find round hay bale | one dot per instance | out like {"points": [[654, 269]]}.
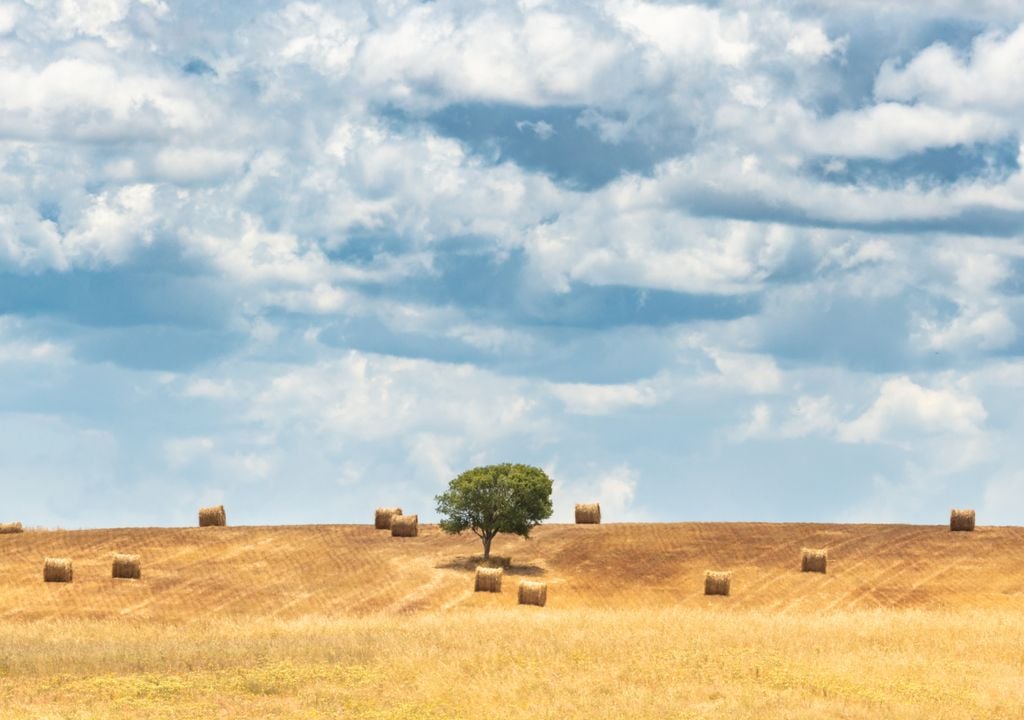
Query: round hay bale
{"points": [[404, 525], [533, 593], [57, 570], [717, 583], [128, 567], [382, 518], [213, 516], [588, 513], [814, 560], [488, 579], [10, 528], [961, 520]]}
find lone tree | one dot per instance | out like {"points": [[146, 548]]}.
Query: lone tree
{"points": [[496, 499]]}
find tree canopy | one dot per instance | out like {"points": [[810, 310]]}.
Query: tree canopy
{"points": [[506, 498]]}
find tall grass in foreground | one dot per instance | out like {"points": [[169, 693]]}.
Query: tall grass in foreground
{"points": [[526, 663]]}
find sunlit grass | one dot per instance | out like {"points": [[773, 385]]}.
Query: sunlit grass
{"points": [[523, 663]]}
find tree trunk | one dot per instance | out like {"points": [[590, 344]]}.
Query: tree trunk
{"points": [[487, 546]]}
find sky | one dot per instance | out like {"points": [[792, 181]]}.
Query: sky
{"points": [[746, 260]]}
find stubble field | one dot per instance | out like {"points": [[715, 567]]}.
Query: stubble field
{"points": [[345, 621]]}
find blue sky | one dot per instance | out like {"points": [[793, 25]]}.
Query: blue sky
{"points": [[719, 261]]}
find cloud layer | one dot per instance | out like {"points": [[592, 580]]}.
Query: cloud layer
{"points": [[740, 261]]}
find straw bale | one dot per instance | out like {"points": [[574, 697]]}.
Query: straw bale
{"points": [[10, 528], [128, 567], [533, 593], [488, 579], [212, 516], [588, 513], [405, 525], [962, 520], [814, 560], [57, 570], [382, 518], [717, 583]]}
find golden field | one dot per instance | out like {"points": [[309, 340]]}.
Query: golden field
{"points": [[345, 621]]}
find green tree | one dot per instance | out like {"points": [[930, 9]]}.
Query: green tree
{"points": [[496, 499]]}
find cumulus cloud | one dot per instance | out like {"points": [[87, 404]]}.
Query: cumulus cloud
{"points": [[589, 399], [114, 225], [804, 228], [369, 397], [905, 409], [941, 75], [61, 100]]}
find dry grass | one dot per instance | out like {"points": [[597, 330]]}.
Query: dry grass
{"points": [[814, 560], [294, 571], [213, 516], [717, 583], [961, 520], [294, 622], [405, 525], [57, 570], [382, 517], [533, 593], [10, 528], [588, 513], [128, 567], [589, 663], [488, 579]]}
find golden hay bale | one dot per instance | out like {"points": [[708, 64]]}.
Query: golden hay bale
{"points": [[533, 593], [382, 518], [961, 520], [404, 525], [212, 516], [717, 583], [814, 560], [488, 579], [588, 513], [10, 528], [128, 567], [57, 570]]}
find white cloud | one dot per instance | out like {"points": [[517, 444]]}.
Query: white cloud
{"points": [[62, 100], [252, 254], [759, 425], [756, 374], [543, 130], [687, 32], [939, 75], [983, 315], [496, 53], [810, 41], [372, 397], [208, 388], [905, 409], [972, 329], [588, 399], [891, 130], [16, 347], [196, 164], [9, 13], [28, 241], [113, 227], [806, 416]]}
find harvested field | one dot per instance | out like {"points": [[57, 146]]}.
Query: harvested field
{"points": [[293, 571], [303, 621]]}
